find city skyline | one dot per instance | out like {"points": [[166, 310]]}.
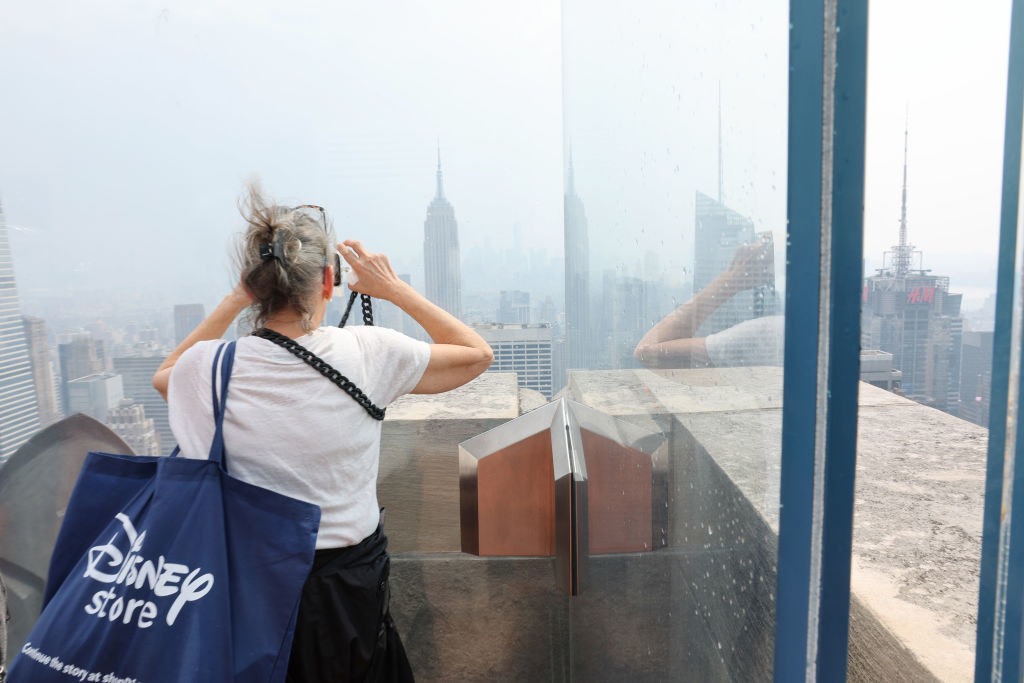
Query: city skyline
{"points": [[640, 175], [505, 132]]}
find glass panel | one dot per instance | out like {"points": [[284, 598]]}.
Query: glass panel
{"points": [[431, 132], [933, 168], [675, 220]]}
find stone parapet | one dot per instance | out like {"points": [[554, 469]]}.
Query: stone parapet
{"points": [[702, 608]]}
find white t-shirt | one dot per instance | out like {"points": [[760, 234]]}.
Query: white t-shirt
{"points": [[290, 429], [758, 341]]}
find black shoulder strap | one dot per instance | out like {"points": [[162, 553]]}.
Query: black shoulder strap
{"points": [[366, 305], [323, 367]]}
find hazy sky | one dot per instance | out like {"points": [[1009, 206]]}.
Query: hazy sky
{"points": [[129, 128]]}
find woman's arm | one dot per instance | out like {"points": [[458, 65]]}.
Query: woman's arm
{"points": [[671, 342], [457, 355], [213, 327]]}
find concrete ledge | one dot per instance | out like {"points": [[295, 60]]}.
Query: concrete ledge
{"points": [[919, 498], [703, 608]]}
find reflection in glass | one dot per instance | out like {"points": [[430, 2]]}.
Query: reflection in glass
{"points": [[741, 335]]}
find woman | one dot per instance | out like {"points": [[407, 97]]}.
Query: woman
{"points": [[289, 429]]}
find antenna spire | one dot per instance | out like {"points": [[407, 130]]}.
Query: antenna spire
{"points": [[903, 250], [440, 185], [571, 185]]}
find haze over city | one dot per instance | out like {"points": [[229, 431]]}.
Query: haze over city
{"points": [[136, 124]]}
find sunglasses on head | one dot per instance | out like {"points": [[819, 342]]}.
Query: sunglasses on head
{"points": [[323, 223]]}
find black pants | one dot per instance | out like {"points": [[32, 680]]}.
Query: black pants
{"points": [[344, 630]]}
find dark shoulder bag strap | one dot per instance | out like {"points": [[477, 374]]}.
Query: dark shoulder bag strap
{"points": [[324, 368], [366, 305]]}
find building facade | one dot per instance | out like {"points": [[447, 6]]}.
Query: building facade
{"points": [[95, 395], [625, 318], [523, 349], [19, 412], [137, 372], [441, 259], [80, 356], [976, 377], [186, 318], [43, 376], [876, 369], [718, 233], [514, 307], [913, 316], [128, 420]]}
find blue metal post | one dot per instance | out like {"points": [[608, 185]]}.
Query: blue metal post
{"points": [[844, 336], [827, 91], [800, 380], [987, 608]]}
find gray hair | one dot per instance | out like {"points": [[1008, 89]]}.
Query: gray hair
{"points": [[290, 279]]}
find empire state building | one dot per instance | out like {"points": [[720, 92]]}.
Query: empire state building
{"points": [[441, 252], [577, 279]]}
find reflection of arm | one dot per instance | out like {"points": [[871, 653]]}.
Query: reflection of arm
{"points": [[684, 322], [671, 342], [674, 353]]}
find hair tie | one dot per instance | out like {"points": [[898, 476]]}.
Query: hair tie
{"points": [[276, 250]]}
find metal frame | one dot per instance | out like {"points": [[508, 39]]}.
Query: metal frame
{"points": [[998, 643], [827, 91]]}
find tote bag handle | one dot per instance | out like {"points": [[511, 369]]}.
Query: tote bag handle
{"points": [[226, 357]]}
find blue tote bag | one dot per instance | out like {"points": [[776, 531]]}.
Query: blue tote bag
{"points": [[170, 570]]}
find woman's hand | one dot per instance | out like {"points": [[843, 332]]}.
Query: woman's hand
{"points": [[753, 265], [458, 353], [374, 273], [241, 295]]}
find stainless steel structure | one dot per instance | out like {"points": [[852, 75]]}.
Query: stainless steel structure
{"points": [[563, 480]]}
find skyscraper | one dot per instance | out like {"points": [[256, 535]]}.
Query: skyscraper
{"points": [[441, 252], [625, 318], [137, 372], [718, 232], [186, 318], [578, 331], [976, 377], [129, 421], [95, 395], [79, 357], [514, 307], [19, 413], [523, 349], [42, 370], [911, 313]]}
